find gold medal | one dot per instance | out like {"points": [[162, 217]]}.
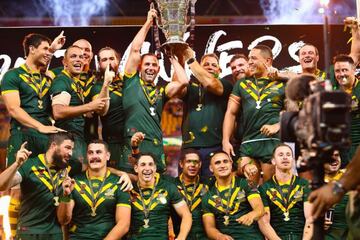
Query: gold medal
{"points": [[40, 104], [286, 216], [93, 212], [226, 220], [56, 201], [146, 223]]}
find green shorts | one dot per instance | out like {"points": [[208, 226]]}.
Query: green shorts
{"points": [[259, 150], [58, 236], [116, 154], [37, 143], [291, 236], [146, 146]]}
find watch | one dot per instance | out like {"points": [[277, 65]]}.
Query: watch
{"points": [[338, 188], [190, 60]]}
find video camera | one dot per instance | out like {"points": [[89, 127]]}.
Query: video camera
{"points": [[323, 122]]}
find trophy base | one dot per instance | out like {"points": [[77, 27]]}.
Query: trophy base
{"points": [[173, 46]]}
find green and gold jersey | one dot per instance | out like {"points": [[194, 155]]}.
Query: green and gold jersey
{"points": [[158, 201], [64, 83], [229, 204], [38, 189], [203, 115], [113, 121], [285, 202], [33, 89], [339, 216], [143, 107], [355, 113], [192, 193], [261, 102], [108, 195]]}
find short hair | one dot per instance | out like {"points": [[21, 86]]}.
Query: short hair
{"points": [[99, 141], [33, 39], [59, 137], [72, 46], [187, 151], [142, 154], [264, 50], [147, 54], [343, 58], [213, 55], [117, 55], [238, 56], [281, 145], [308, 44], [212, 154]]}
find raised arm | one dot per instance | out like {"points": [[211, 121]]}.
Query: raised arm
{"points": [[207, 80], [104, 92], [353, 23], [9, 178], [177, 87], [134, 56], [66, 206]]}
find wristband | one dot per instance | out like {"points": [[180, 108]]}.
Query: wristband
{"points": [[190, 61], [338, 188], [64, 199]]}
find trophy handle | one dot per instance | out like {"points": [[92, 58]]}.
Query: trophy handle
{"points": [[152, 6], [192, 5]]}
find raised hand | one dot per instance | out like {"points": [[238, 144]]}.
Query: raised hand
{"points": [[22, 155], [108, 76], [137, 138], [68, 186], [58, 42]]}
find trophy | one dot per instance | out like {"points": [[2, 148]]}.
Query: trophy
{"points": [[173, 21]]}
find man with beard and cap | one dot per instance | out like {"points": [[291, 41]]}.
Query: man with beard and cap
{"points": [[143, 101], [25, 94], [335, 219], [259, 100], [344, 68], [205, 102], [151, 201], [40, 179], [231, 207], [112, 116], [68, 105], [93, 202], [287, 211]]}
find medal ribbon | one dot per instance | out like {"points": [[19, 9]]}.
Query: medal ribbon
{"points": [[190, 198], [35, 82], [95, 201], [152, 95]]}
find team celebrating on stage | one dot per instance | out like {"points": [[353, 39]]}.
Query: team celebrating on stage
{"points": [[237, 180]]}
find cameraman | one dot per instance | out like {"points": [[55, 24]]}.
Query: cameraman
{"points": [[333, 192]]}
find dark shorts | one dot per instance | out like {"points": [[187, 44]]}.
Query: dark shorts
{"points": [[79, 151], [21, 236], [37, 143], [259, 150]]}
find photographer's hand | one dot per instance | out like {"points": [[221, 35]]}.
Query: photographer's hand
{"points": [[322, 199]]}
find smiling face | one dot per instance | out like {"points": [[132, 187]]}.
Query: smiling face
{"points": [[87, 51], [334, 165], [211, 65], [283, 158], [73, 61], [258, 63], [221, 165], [344, 74], [97, 156], [309, 58], [191, 165], [146, 169], [239, 68], [149, 68], [62, 153], [41, 54]]}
